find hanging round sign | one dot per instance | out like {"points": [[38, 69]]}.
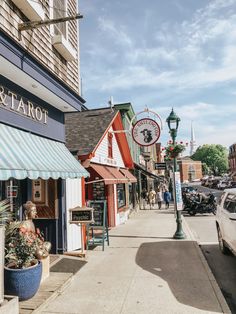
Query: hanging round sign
{"points": [[146, 132]]}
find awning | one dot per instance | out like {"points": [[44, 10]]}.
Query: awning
{"points": [[24, 155], [128, 175], [110, 175], [118, 175], [103, 172]]}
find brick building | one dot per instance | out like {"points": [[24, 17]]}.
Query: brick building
{"points": [[189, 169]]}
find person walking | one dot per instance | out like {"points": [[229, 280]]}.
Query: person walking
{"points": [[144, 196], [167, 198], [159, 198], [152, 198]]}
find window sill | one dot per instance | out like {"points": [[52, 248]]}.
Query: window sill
{"points": [[64, 47], [123, 209], [32, 9]]}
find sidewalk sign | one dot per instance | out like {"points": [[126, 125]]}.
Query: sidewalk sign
{"points": [[97, 231]]}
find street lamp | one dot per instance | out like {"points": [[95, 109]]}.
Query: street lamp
{"points": [[173, 124]]}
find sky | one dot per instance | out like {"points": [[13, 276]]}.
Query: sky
{"points": [[163, 54]]}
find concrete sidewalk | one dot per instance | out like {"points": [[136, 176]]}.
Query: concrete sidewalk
{"points": [[143, 271]]}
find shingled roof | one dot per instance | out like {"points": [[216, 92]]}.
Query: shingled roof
{"points": [[85, 129]]}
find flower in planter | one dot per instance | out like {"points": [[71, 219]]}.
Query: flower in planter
{"points": [[25, 245], [22, 246]]}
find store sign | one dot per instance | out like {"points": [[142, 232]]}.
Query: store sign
{"points": [[14, 102], [160, 166], [80, 215], [146, 132]]}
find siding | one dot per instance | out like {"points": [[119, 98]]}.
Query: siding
{"points": [[102, 153], [38, 41]]}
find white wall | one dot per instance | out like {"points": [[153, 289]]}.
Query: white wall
{"points": [[73, 199], [101, 154]]}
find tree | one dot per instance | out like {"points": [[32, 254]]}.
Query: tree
{"points": [[214, 156]]}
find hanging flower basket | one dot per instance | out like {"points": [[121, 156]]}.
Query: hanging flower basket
{"points": [[173, 150]]}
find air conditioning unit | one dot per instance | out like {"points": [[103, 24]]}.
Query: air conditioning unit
{"points": [[64, 47]]}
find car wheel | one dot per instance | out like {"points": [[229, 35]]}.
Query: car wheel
{"points": [[222, 246], [192, 213]]}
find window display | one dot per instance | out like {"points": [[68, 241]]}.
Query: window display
{"points": [[38, 191]]}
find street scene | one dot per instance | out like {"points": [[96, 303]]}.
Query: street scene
{"points": [[117, 157]]}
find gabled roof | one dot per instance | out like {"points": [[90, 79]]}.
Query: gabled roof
{"points": [[85, 131]]}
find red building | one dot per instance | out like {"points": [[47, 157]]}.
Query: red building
{"points": [[96, 138]]}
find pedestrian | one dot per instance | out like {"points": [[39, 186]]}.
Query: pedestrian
{"points": [[144, 197], [167, 198], [159, 198], [152, 198]]}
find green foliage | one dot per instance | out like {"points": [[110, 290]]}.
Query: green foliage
{"points": [[5, 212], [215, 158]]}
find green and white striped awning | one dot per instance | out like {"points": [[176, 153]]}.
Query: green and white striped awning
{"points": [[24, 155]]}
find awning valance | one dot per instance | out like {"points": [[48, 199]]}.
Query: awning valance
{"points": [[128, 175], [110, 175], [103, 172], [24, 155]]}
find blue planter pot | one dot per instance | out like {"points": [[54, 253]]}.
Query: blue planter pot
{"points": [[23, 283]]}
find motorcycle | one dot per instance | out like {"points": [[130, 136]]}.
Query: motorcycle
{"points": [[200, 203]]}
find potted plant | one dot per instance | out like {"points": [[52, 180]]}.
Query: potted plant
{"points": [[24, 249], [5, 217], [23, 268]]}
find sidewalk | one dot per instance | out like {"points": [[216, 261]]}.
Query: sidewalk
{"points": [[143, 271]]}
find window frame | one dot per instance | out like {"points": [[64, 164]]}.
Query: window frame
{"points": [[121, 187], [110, 145]]}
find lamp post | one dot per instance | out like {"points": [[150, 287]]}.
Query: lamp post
{"points": [[173, 124]]}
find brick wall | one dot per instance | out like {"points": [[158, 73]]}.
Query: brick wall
{"points": [[38, 41], [188, 167]]}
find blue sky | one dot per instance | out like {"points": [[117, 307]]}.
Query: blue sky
{"points": [[164, 54]]}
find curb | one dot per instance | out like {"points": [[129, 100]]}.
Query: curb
{"points": [[219, 295]]}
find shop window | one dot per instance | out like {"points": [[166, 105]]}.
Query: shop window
{"points": [[44, 195], [110, 150], [121, 195]]}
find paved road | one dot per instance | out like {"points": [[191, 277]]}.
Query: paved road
{"points": [[223, 267]]}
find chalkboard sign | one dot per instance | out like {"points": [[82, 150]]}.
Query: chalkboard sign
{"points": [[99, 224], [99, 211], [81, 215]]}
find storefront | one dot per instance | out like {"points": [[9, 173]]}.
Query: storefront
{"points": [[97, 138], [112, 185], [34, 161]]}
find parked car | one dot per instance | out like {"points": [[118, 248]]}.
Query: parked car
{"points": [[223, 185], [233, 184], [226, 221]]}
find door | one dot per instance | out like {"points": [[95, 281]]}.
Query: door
{"points": [[229, 220]]}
